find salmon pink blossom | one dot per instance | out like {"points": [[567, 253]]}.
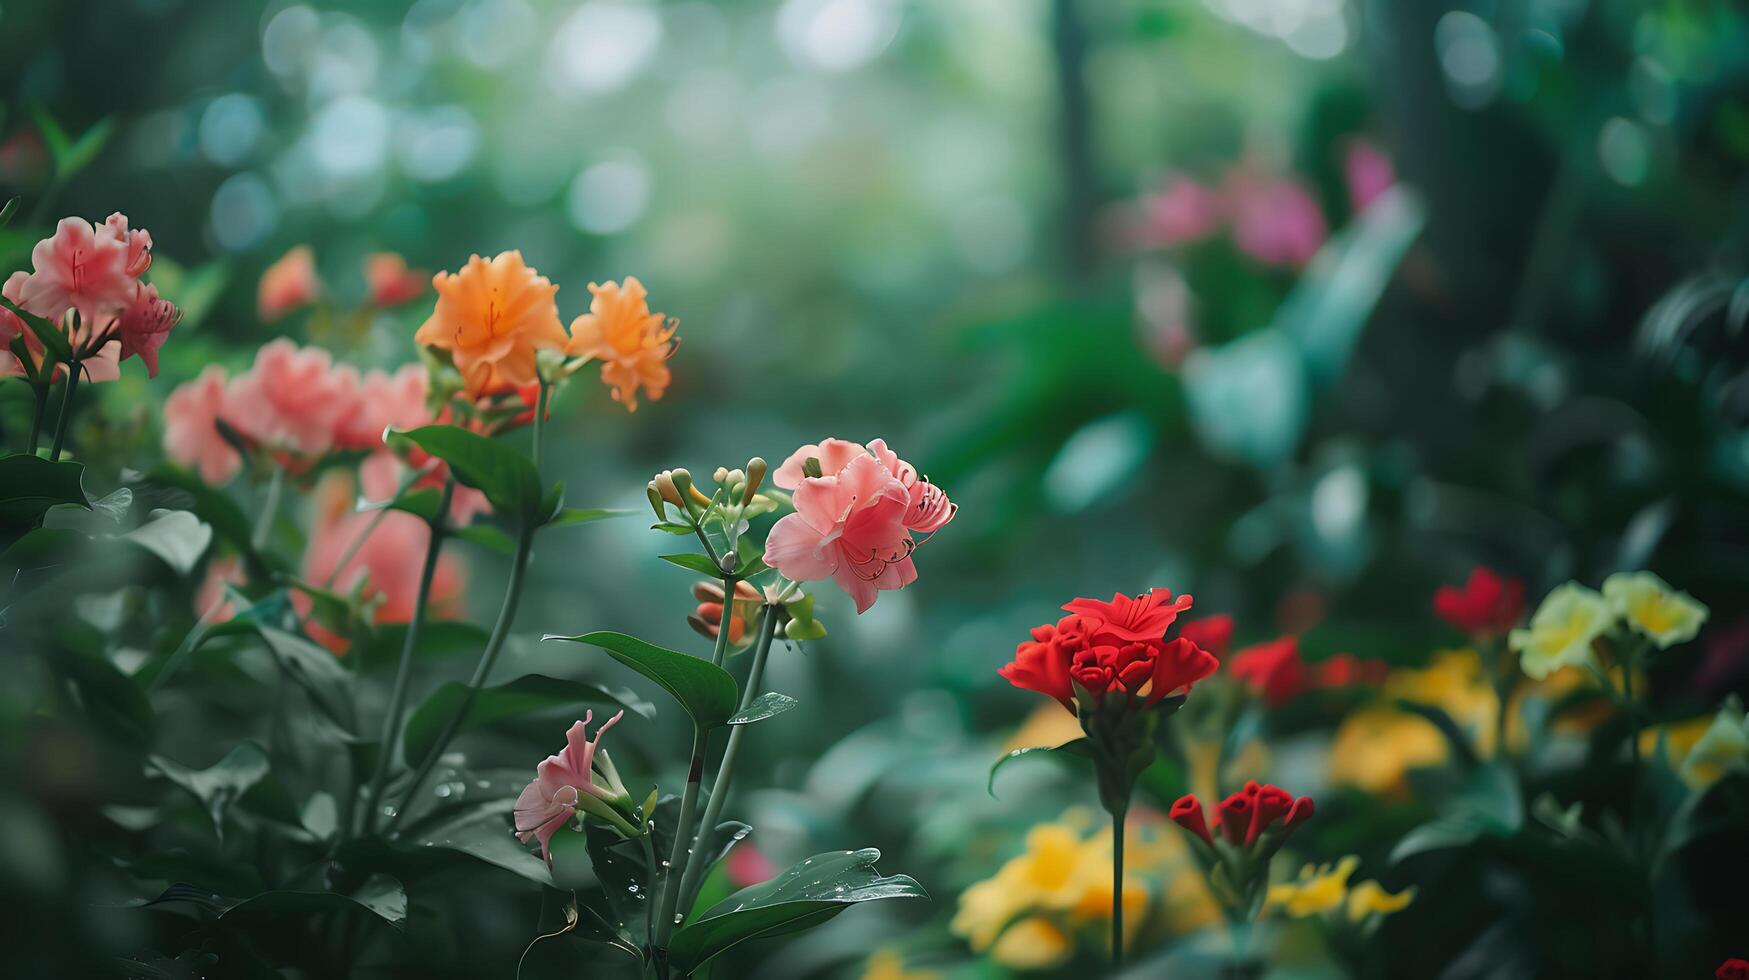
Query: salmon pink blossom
{"points": [[389, 280], [288, 284], [292, 399], [79, 268], [145, 324], [191, 434], [849, 527], [560, 784]]}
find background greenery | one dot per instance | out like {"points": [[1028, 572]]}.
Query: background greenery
{"points": [[906, 220]]}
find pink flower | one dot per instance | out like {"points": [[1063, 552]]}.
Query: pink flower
{"points": [[560, 783], [381, 473], [293, 399], [748, 865], [288, 284], [1275, 222], [849, 527], [138, 242], [1185, 211], [11, 327], [210, 601], [384, 400], [79, 268], [927, 506], [190, 436], [145, 324], [1368, 173], [389, 280]]}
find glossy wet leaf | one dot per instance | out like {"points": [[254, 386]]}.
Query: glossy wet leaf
{"points": [[767, 705], [1080, 748], [705, 691], [380, 895], [488, 837], [525, 695], [219, 785], [507, 477], [802, 896], [620, 866]]}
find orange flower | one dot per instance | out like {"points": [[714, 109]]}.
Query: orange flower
{"points": [[491, 317], [632, 344]]}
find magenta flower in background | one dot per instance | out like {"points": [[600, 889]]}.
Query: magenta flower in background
{"points": [[1368, 173], [560, 784], [1275, 221], [1184, 211]]}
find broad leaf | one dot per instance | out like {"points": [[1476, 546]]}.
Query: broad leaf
{"points": [[767, 705], [507, 477], [316, 670], [487, 536], [1490, 805], [803, 896], [584, 515], [524, 695], [421, 502], [218, 785], [716, 847], [488, 838], [1080, 747], [695, 562], [706, 692], [211, 506], [380, 895], [112, 699], [30, 485], [177, 537], [47, 332]]}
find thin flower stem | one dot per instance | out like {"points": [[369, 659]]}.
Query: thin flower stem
{"points": [[540, 413], [66, 409], [41, 390], [269, 509], [494, 646], [695, 870], [390, 739], [677, 854], [1117, 890], [650, 876]]}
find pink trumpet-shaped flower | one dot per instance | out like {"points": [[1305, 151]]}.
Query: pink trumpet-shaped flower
{"points": [[849, 527], [137, 240], [145, 324], [560, 783], [79, 268]]}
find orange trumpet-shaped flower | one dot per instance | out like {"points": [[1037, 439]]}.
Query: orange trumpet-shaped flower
{"points": [[491, 317], [632, 344]]}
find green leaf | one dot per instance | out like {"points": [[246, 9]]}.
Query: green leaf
{"points": [[380, 895], [421, 502], [437, 638], [671, 527], [619, 865], [316, 670], [218, 785], [706, 692], [213, 507], [805, 895], [696, 563], [524, 695], [750, 565], [486, 536], [8, 211], [1080, 747], [111, 698], [47, 332], [507, 477], [177, 537], [584, 515], [715, 848], [30, 485], [487, 838], [72, 155], [767, 705], [1490, 804]]}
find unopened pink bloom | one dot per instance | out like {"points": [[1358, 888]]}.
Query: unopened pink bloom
{"points": [[145, 324], [1185, 211], [78, 268], [849, 527], [1368, 173], [288, 284], [191, 436], [1275, 222], [293, 398], [549, 801]]}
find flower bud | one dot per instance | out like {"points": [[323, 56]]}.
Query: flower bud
{"points": [[666, 489], [655, 496], [1187, 813], [682, 482], [755, 476]]}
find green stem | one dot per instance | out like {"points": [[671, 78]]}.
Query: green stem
{"points": [[73, 369], [494, 646], [269, 508], [540, 414], [390, 739], [696, 870], [40, 387], [650, 876], [1117, 890], [683, 832]]}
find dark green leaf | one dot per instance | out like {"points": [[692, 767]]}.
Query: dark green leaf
{"points": [[380, 895], [1080, 747], [487, 536], [707, 692], [750, 565], [803, 896], [316, 670], [112, 699], [48, 332], [421, 502], [696, 563], [620, 867], [1490, 804], [764, 706], [524, 695], [8, 211], [715, 849], [218, 785], [584, 515], [670, 527], [30, 485], [488, 838], [437, 638], [507, 477]]}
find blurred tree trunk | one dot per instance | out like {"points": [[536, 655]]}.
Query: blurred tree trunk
{"points": [[1078, 199]]}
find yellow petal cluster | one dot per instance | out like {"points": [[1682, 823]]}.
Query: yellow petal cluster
{"points": [[1561, 631], [1649, 606], [1324, 889]]}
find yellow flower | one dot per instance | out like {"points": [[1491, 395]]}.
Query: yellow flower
{"points": [[1725, 745], [1370, 898], [1318, 890], [888, 964], [1374, 748], [1454, 682], [1561, 631], [491, 317], [632, 344], [1649, 605], [1324, 889], [1033, 943]]}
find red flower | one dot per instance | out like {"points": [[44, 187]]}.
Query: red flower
{"points": [[1144, 618], [1348, 670], [1273, 670], [1212, 633], [1111, 646], [1733, 969], [1246, 815], [1487, 605], [1187, 813]]}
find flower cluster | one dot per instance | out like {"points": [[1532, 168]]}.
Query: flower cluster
{"points": [[291, 283], [1636, 606], [1275, 671], [85, 279], [1113, 651], [1249, 827], [1324, 890], [856, 509]]}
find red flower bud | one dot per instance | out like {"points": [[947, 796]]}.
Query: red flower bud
{"points": [[1301, 812], [1233, 817], [1269, 804], [1734, 968], [1487, 605], [1187, 813]]}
